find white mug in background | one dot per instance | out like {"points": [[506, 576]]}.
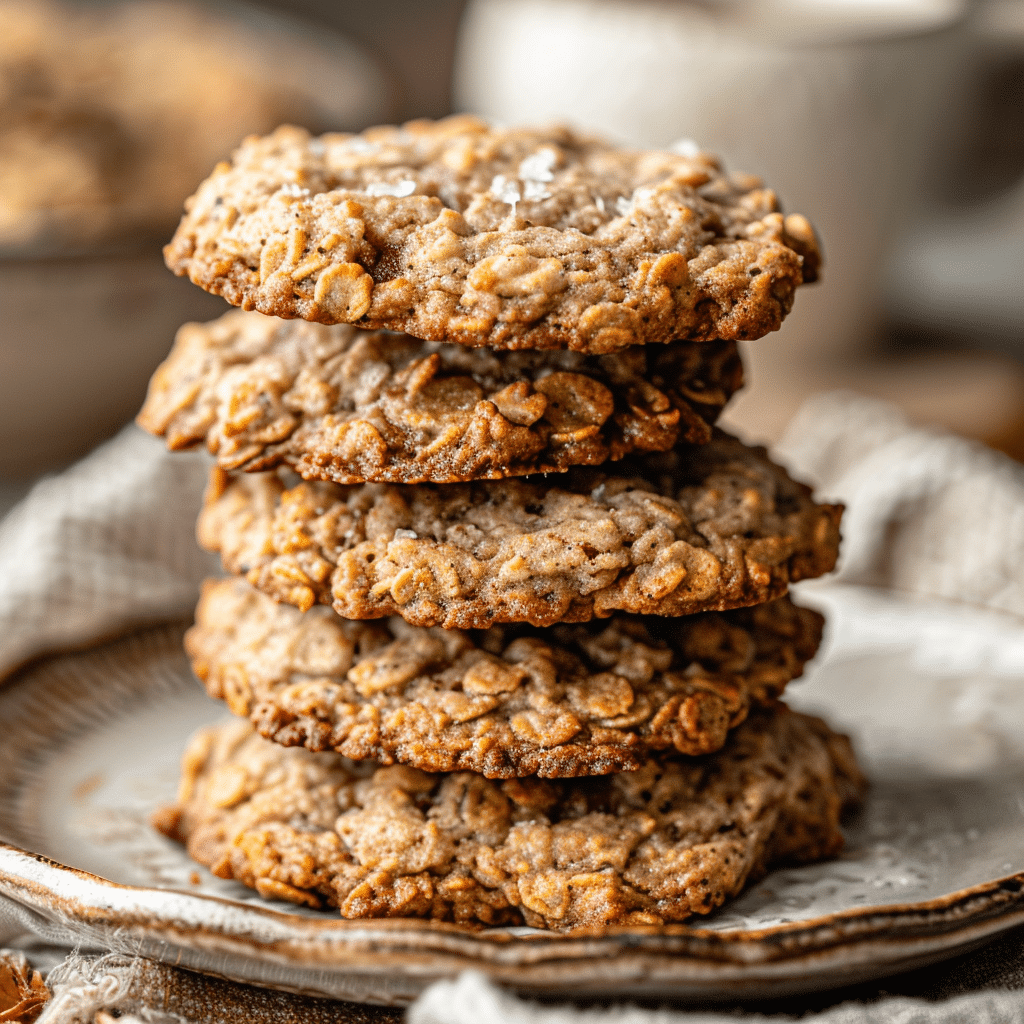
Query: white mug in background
{"points": [[960, 271], [845, 107]]}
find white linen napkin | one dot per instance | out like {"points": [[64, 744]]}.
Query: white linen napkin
{"points": [[926, 511], [104, 546]]}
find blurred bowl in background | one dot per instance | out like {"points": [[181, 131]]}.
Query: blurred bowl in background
{"points": [[110, 115], [80, 338]]}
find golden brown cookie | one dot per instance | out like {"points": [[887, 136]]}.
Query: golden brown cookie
{"points": [[702, 528], [679, 836], [583, 699], [338, 403], [453, 231]]}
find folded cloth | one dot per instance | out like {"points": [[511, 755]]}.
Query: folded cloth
{"points": [[472, 999], [109, 545], [927, 512], [105, 546]]}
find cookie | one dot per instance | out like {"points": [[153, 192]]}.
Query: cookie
{"points": [[702, 528], [342, 404], [580, 699], [677, 837], [454, 231]]}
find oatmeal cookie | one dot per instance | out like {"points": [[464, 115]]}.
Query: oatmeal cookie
{"points": [[702, 528], [338, 403], [454, 231], [677, 837], [510, 701]]}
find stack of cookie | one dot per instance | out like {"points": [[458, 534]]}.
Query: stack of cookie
{"points": [[506, 629]]}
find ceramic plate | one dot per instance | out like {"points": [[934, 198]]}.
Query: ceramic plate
{"points": [[932, 693]]}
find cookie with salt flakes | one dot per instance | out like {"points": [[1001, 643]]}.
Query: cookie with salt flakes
{"points": [[455, 231]]}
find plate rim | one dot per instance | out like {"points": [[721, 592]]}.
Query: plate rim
{"points": [[336, 958]]}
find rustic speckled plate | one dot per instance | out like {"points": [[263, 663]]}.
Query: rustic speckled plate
{"points": [[934, 865]]}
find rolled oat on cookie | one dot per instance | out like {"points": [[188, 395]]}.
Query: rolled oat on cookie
{"points": [[702, 528], [339, 403], [454, 231], [583, 699]]}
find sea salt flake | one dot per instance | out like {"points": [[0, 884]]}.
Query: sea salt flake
{"points": [[623, 206], [534, 190], [685, 147], [539, 165], [599, 203], [358, 145], [399, 189], [401, 534], [293, 190], [505, 190]]}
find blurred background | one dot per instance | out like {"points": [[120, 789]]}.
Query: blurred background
{"points": [[896, 126]]}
